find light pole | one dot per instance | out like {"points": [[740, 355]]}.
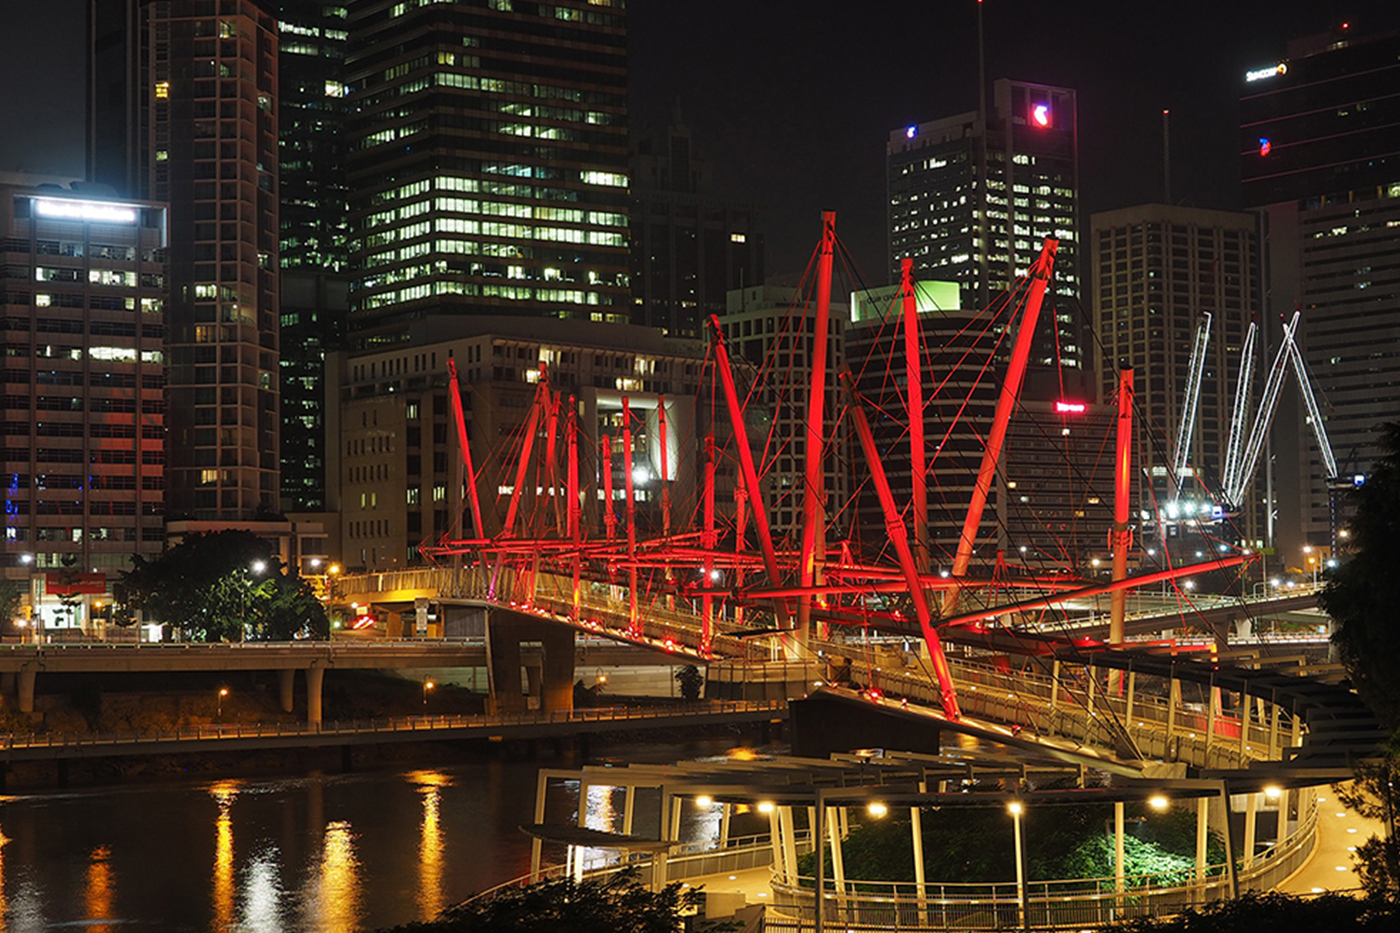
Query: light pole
{"points": [[427, 685], [223, 692], [257, 567], [1312, 563], [1016, 809]]}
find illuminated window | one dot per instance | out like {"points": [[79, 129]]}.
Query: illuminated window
{"points": [[737, 238], [162, 90]]}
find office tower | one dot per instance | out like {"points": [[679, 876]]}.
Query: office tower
{"points": [[210, 114], [397, 443], [488, 161], [1320, 159], [84, 420], [768, 330], [1157, 271], [314, 221], [688, 247], [983, 236]]}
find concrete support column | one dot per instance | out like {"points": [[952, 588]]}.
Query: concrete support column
{"points": [[1119, 868], [557, 694], [1202, 836], [285, 680], [789, 834], [314, 678], [503, 668], [838, 864], [26, 688], [724, 813], [658, 858], [1251, 817], [1281, 824], [536, 843], [629, 801]]}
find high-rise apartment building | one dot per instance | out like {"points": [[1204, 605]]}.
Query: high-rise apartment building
{"points": [[314, 224], [488, 161], [1157, 271], [208, 89], [1320, 159], [972, 203], [82, 291], [688, 247]]}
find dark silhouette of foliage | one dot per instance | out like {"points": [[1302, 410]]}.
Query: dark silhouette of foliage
{"points": [[604, 905], [1363, 594], [691, 682], [1372, 795], [206, 588], [1277, 913], [11, 597]]}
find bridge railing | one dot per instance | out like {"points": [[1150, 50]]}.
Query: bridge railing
{"points": [[235, 731]]}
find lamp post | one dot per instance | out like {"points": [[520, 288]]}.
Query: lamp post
{"points": [[223, 692], [427, 685], [257, 567], [1016, 809]]}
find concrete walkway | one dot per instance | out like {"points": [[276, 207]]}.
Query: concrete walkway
{"points": [[1331, 867]]}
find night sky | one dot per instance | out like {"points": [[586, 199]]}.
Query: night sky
{"points": [[792, 100]]}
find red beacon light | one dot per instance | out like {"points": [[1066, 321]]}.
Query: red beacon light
{"points": [[1265, 147], [1040, 114]]}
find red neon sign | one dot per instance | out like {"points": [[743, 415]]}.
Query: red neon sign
{"points": [[1040, 113], [1071, 408]]}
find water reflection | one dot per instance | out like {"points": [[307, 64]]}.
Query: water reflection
{"points": [[100, 884], [430, 898], [332, 898], [224, 794], [262, 893]]}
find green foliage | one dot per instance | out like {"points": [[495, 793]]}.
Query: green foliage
{"points": [[1278, 913], [970, 845], [205, 588], [604, 905], [1363, 594], [11, 597], [691, 682]]}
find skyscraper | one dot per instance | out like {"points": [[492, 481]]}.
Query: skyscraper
{"points": [[208, 83], [1320, 158], [688, 247], [488, 161], [1157, 270], [84, 413], [983, 235], [314, 222]]}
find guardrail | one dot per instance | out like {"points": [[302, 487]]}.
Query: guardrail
{"points": [[233, 732]]}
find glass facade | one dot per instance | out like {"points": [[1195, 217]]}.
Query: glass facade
{"points": [[488, 161]]}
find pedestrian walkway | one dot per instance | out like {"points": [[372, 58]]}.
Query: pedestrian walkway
{"points": [[1331, 866]]}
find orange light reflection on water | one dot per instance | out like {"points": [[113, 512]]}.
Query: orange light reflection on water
{"points": [[337, 904], [224, 793], [430, 848], [101, 884]]}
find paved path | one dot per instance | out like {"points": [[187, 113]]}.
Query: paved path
{"points": [[1330, 867]]}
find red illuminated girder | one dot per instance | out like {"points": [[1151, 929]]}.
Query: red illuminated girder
{"points": [[812, 511], [707, 544], [1010, 388], [634, 622], [456, 393], [746, 468], [894, 527], [1121, 537], [574, 507], [527, 446], [551, 459], [914, 389], [1128, 584], [609, 515]]}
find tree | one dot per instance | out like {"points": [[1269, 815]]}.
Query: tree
{"points": [[206, 587], [601, 905], [691, 682], [1272, 911], [11, 598], [1363, 595]]}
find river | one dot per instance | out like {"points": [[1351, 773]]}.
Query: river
{"points": [[321, 852]]}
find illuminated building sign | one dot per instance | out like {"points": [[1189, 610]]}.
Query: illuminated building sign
{"points": [[96, 212], [1071, 408], [1265, 147], [1260, 74], [1040, 114], [911, 132]]}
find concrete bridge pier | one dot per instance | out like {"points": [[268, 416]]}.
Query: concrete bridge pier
{"points": [[285, 681], [315, 676], [505, 633], [26, 678]]}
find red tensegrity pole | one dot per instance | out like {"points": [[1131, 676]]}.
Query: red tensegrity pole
{"points": [[913, 378], [551, 461], [899, 537], [527, 447], [812, 511], [707, 541], [634, 625], [746, 469], [665, 467], [609, 516], [457, 414], [1122, 537], [1010, 389], [574, 506]]}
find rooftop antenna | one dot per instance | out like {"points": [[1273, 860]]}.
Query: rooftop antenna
{"points": [[1167, 154]]}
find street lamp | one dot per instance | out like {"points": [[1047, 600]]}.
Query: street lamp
{"points": [[223, 692], [427, 685], [1017, 809], [257, 567]]}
